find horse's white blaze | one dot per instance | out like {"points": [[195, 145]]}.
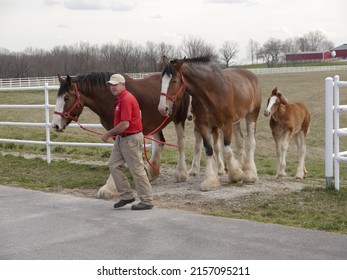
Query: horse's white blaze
{"points": [[162, 107], [272, 101], [59, 107]]}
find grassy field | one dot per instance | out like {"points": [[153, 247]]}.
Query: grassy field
{"points": [[314, 207]]}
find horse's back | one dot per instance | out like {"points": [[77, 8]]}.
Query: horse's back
{"points": [[246, 91]]}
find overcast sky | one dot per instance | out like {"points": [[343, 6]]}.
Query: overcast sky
{"points": [[47, 23]]}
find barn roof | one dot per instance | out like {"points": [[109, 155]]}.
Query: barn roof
{"points": [[309, 52], [340, 48]]}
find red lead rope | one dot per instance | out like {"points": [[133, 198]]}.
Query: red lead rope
{"points": [[144, 139]]}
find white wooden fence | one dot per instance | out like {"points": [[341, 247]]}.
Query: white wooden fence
{"points": [[47, 125], [52, 81], [333, 132]]}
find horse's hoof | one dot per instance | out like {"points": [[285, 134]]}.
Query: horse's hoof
{"points": [[221, 172], [210, 185], [235, 175], [281, 176], [180, 178], [250, 177], [106, 193], [151, 173], [192, 173]]}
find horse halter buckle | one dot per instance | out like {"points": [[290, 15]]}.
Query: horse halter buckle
{"points": [[173, 98]]}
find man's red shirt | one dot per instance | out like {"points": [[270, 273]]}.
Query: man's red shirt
{"points": [[127, 109]]}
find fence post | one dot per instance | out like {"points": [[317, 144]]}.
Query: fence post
{"points": [[329, 132], [47, 125], [336, 99]]}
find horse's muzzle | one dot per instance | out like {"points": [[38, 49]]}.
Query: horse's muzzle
{"points": [[165, 112], [58, 129]]}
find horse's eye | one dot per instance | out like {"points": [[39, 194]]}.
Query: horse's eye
{"points": [[66, 97]]}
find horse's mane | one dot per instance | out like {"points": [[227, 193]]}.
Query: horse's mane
{"points": [[88, 82], [202, 59], [93, 79], [170, 69]]}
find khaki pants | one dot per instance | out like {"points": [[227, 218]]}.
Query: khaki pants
{"points": [[129, 150]]}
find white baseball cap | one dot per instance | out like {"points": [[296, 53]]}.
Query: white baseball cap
{"points": [[116, 79]]}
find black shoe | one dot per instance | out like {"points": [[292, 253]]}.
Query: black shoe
{"points": [[141, 206], [123, 202]]}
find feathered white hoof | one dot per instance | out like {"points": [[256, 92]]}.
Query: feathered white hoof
{"points": [[180, 176], [193, 172], [210, 184], [250, 177], [235, 175]]}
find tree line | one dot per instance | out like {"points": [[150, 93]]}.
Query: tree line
{"points": [[129, 57]]}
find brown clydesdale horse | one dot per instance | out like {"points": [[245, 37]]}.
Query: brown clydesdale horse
{"points": [[92, 91], [288, 119], [220, 99]]}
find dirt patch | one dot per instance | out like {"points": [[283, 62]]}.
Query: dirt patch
{"points": [[188, 196]]}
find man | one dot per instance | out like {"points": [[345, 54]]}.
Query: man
{"points": [[127, 147]]}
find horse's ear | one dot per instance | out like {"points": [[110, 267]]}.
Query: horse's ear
{"points": [[68, 81], [282, 98], [165, 61], [179, 63], [274, 91], [61, 80]]}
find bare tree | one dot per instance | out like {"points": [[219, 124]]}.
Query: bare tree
{"points": [[152, 56], [125, 56], [195, 47], [124, 52], [314, 41], [6, 61], [228, 51], [253, 50], [271, 51]]}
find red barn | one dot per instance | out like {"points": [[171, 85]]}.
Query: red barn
{"points": [[340, 51], [308, 56]]}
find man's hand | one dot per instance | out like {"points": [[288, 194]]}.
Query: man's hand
{"points": [[106, 136]]}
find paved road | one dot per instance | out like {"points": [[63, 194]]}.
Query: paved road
{"points": [[38, 225]]}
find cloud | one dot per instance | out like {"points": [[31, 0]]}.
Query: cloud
{"points": [[83, 5]]}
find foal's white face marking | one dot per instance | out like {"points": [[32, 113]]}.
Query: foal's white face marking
{"points": [[57, 119], [272, 102], [163, 107]]}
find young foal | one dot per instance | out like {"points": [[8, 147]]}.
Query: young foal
{"points": [[286, 120]]}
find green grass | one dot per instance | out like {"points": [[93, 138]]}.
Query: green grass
{"points": [[37, 174], [313, 207]]}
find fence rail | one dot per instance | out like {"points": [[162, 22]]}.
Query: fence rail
{"points": [[51, 81], [47, 125]]}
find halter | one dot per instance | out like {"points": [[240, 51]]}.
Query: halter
{"points": [[78, 104], [173, 98]]}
